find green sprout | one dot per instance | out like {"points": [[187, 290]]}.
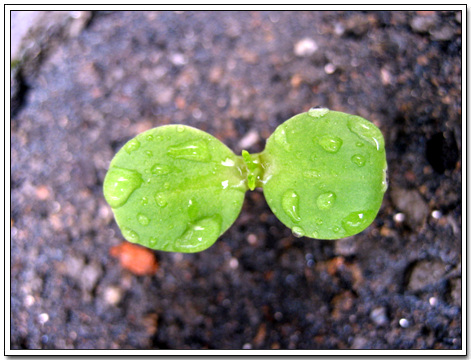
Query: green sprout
{"points": [[176, 188]]}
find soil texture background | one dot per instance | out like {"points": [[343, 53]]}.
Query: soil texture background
{"points": [[84, 83]]}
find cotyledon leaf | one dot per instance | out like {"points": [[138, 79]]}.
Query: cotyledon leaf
{"points": [[325, 173], [175, 188]]}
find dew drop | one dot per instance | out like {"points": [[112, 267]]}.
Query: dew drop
{"points": [[366, 131], [159, 169], [228, 162], [199, 235], [359, 144], [149, 138], [312, 174], [132, 145], [119, 184], [191, 150], [298, 231], [336, 229], [355, 221], [180, 128], [330, 143], [384, 182], [315, 234], [319, 221], [166, 185], [193, 209], [149, 153], [358, 160], [225, 184], [144, 201], [153, 241], [326, 200], [290, 204], [159, 138], [280, 139], [130, 235], [317, 112], [161, 199], [143, 220]]}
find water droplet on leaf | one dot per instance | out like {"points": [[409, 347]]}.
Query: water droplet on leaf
{"points": [[280, 139], [317, 112], [228, 162], [192, 209], [153, 241], [312, 174], [130, 235], [159, 169], [355, 221], [199, 235], [359, 160], [132, 145], [290, 205], [330, 143], [161, 199], [143, 220], [366, 131], [180, 128], [384, 182], [119, 184], [298, 231], [191, 150], [326, 200]]}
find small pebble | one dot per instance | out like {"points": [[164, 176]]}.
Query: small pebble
{"points": [[305, 47], [379, 316], [422, 24], [233, 263], [178, 59], [137, 259], [197, 113], [252, 239], [43, 318], [404, 323], [445, 33], [250, 139], [113, 295], [329, 68], [42, 192], [29, 300], [399, 217]]}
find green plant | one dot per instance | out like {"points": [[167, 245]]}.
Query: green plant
{"points": [[176, 188]]}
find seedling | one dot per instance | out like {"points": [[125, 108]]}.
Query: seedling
{"points": [[177, 188]]}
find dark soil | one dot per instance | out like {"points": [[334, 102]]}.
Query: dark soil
{"points": [[85, 88]]}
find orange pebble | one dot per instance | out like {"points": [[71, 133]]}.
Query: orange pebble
{"points": [[135, 258]]}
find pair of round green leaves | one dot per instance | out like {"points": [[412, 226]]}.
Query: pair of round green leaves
{"points": [[177, 188]]}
